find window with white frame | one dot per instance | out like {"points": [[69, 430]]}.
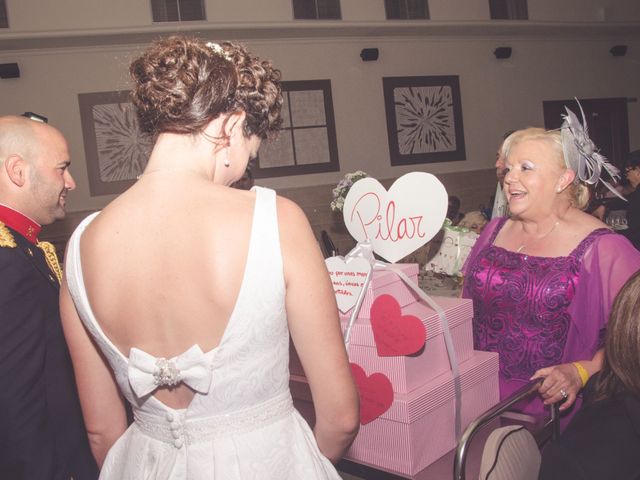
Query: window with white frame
{"points": [[177, 10], [508, 9], [4, 21], [316, 9], [406, 9], [307, 142]]}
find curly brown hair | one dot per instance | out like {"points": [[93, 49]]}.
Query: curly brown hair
{"points": [[181, 83], [621, 368]]}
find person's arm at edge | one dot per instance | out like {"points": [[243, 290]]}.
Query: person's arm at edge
{"points": [[102, 405], [315, 329]]}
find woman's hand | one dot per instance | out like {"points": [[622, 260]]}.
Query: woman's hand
{"points": [[560, 382]]}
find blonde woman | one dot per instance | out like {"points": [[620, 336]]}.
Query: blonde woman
{"points": [[543, 280]]}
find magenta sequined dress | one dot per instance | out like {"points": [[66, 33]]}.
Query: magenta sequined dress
{"points": [[538, 311]]}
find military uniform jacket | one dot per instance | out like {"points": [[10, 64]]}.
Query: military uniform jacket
{"points": [[42, 434]]}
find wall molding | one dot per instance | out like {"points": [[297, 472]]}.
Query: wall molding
{"points": [[305, 29]]}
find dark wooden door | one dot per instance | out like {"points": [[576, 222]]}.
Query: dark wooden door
{"points": [[607, 123]]}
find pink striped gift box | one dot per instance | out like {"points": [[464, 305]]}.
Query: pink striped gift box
{"points": [[410, 372], [384, 281], [381, 282], [419, 427]]}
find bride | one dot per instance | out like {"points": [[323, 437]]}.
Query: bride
{"points": [[181, 294]]}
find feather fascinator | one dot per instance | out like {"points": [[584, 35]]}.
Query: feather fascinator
{"points": [[580, 153]]}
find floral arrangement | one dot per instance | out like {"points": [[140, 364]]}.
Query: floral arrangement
{"points": [[343, 187]]}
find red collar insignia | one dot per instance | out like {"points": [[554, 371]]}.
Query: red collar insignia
{"points": [[20, 223]]}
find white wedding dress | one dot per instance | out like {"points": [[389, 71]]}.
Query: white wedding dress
{"points": [[243, 425]]}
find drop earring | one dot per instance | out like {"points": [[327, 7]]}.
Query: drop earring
{"points": [[226, 154]]}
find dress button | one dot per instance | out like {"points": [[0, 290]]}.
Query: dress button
{"points": [[176, 434], [178, 442], [170, 417], [175, 424]]}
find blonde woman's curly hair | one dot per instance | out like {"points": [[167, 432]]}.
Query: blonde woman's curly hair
{"points": [[181, 83]]}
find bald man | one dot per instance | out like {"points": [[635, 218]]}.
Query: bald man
{"points": [[42, 435]]}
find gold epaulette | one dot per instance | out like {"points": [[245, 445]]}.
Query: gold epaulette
{"points": [[6, 238], [52, 259]]}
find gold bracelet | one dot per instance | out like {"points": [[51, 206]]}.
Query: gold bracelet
{"points": [[584, 375]]}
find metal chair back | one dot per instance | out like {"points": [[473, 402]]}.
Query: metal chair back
{"points": [[549, 431]]}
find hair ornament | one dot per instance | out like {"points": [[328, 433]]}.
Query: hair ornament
{"points": [[580, 153], [218, 50]]}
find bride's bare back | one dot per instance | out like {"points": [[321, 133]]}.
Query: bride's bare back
{"points": [[163, 272]]}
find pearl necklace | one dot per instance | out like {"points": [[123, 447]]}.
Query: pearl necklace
{"points": [[524, 245]]}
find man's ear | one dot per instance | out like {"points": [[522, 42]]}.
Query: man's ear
{"points": [[16, 168]]}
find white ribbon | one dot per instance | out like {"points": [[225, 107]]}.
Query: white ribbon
{"points": [[147, 373], [361, 250], [365, 250]]}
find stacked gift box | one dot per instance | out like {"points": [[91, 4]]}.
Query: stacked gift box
{"points": [[419, 426]]}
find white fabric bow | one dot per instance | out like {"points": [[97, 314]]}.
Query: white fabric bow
{"points": [[362, 250], [147, 373]]}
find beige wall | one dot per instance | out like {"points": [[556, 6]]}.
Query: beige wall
{"points": [[459, 10], [584, 10], [248, 11], [58, 15], [496, 95]]}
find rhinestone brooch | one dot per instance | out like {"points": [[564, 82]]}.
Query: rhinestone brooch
{"points": [[166, 373]]}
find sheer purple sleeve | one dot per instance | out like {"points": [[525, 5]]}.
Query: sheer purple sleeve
{"points": [[483, 240], [606, 266]]}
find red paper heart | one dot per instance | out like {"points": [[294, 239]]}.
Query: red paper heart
{"points": [[395, 334], [375, 391]]}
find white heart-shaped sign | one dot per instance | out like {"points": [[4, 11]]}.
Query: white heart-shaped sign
{"points": [[399, 221], [348, 279]]}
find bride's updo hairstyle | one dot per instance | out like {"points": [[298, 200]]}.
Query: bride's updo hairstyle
{"points": [[578, 191], [181, 83]]}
